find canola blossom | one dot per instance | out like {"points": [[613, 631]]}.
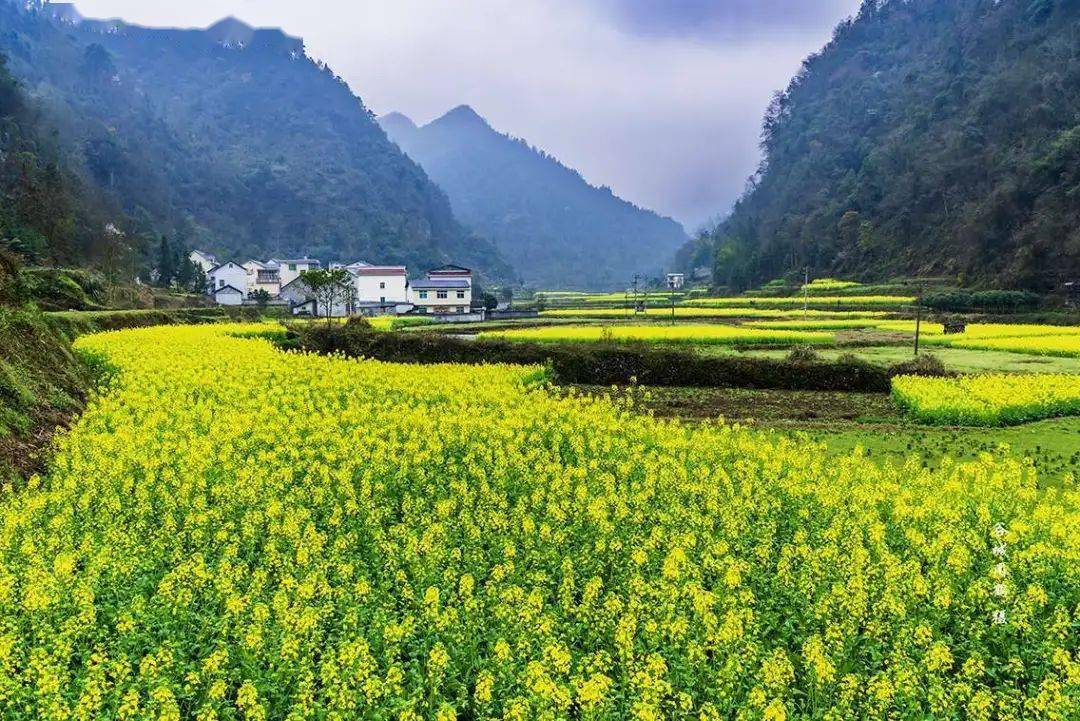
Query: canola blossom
{"points": [[852, 323], [829, 284], [814, 301], [980, 331], [989, 399], [390, 322], [231, 532], [701, 334], [1062, 341], [681, 311]]}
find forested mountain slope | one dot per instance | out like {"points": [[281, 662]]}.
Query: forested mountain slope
{"points": [[929, 137], [230, 138], [558, 230]]}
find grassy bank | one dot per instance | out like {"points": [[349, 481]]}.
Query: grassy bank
{"points": [[43, 384]]}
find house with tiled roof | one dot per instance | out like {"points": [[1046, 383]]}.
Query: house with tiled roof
{"points": [[446, 290]]}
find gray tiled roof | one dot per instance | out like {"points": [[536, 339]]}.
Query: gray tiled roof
{"points": [[440, 283]]}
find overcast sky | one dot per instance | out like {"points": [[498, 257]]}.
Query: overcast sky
{"points": [[661, 100]]}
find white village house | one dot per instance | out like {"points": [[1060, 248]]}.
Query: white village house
{"points": [[204, 260], [302, 301], [263, 276], [225, 274], [228, 295], [375, 289], [290, 270], [445, 291]]}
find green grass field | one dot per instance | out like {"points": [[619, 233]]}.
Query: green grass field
{"points": [[1053, 446], [961, 360], [847, 421]]}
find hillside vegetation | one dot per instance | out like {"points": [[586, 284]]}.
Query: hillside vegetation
{"points": [[229, 138], [928, 138], [560, 231]]}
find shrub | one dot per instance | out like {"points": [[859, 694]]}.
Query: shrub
{"points": [[803, 354], [927, 365], [989, 300]]}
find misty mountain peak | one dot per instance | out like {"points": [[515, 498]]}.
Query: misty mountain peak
{"points": [[231, 31], [397, 125], [462, 115]]}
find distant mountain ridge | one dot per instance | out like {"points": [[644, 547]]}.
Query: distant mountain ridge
{"points": [[559, 231], [231, 139]]}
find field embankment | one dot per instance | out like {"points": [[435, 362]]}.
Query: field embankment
{"points": [[44, 383]]}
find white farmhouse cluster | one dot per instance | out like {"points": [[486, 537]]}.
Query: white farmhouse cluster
{"points": [[378, 289]]}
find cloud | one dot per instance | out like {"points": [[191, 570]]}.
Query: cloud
{"points": [[630, 93]]}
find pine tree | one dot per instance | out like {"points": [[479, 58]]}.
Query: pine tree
{"points": [[166, 265]]}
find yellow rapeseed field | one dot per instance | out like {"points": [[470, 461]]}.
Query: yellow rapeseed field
{"points": [[814, 301], [236, 533], [852, 323], [1047, 340], [658, 311], [989, 399], [696, 334]]}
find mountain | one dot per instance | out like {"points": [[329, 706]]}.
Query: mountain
{"points": [[559, 230], [230, 138], [927, 138]]}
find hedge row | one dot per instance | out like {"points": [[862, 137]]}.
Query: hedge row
{"points": [[596, 364], [986, 300], [75, 323]]}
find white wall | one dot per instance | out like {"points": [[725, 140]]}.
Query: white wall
{"points": [[228, 274], [376, 288], [450, 304], [292, 271], [229, 298]]}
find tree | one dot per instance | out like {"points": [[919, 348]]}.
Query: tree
{"points": [[185, 269], [488, 301], [199, 280], [507, 294], [331, 288], [261, 298], [97, 66], [166, 264]]}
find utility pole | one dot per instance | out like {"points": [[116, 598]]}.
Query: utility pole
{"points": [[918, 318], [637, 277], [806, 293], [671, 287]]}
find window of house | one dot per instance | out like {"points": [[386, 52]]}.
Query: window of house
{"points": [[382, 285], [382, 298], [440, 294], [423, 295], [460, 310], [292, 266], [221, 284], [461, 295]]}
